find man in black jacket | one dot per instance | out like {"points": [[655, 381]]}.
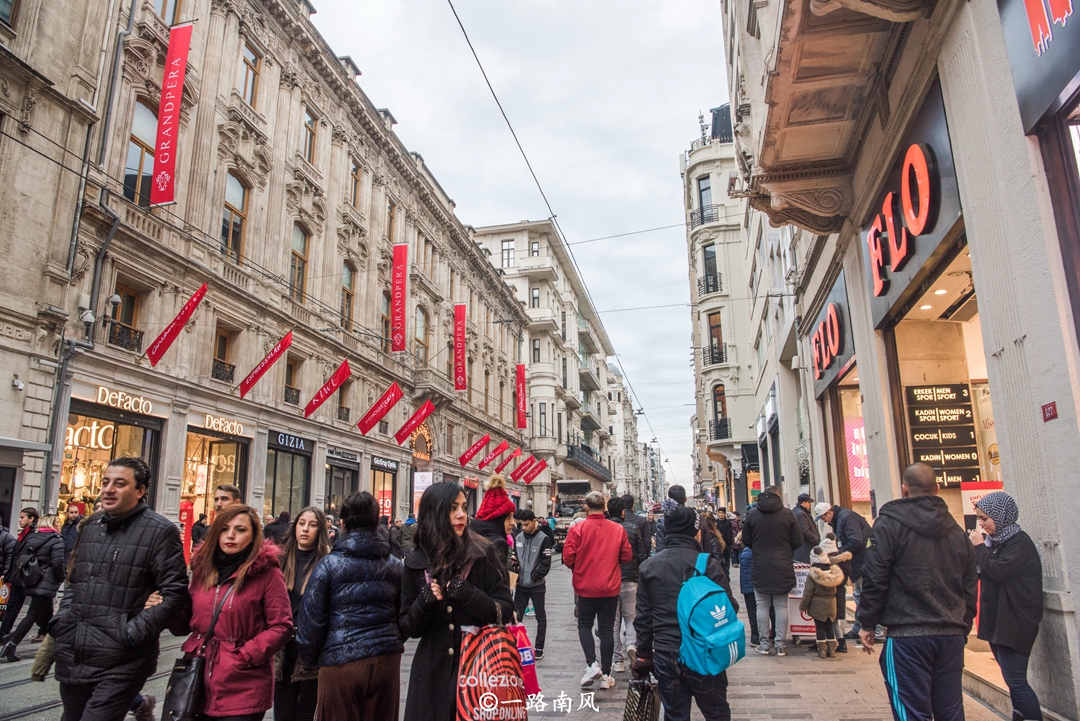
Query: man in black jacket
{"points": [[807, 527], [772, 533], [852, 532], [70, 531], [627, 610], [657, 623], [642, 523], [676, 496], [532, 561], [919, 581], [106, 644]]}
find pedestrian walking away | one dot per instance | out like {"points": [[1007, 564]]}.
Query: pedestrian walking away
{"points": [[199, 530], [657, 624], [819, 600], [919, 582], [773, 533], [625, 652], [1010, 598], [406, 535], [39, 571], [676, 497], [637, 519], [594, 551], [807, 526], [532, 551], [278, 529], [454, 578], [105, 640], [296, 688], [348, 627]]}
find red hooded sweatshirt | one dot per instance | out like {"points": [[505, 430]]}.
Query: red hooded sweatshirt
{"points": [[594, 549]]}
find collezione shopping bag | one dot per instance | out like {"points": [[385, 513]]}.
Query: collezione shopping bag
{"points": [[490, 684], [528, 660], [642, 701]]}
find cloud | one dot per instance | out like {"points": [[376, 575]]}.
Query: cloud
{"points": [[604, 95]]}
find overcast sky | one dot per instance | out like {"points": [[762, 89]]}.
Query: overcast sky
{"points": [[604, 96]]}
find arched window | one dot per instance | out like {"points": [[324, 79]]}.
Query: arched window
{"points": [[140, 157], [298, 264], [719, 402], [233, 217], [420, 338], [346, 296], [386, 322]]}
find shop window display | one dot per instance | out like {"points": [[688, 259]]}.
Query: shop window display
{"points": [[209, 461], [854, 437], [89, 445]]}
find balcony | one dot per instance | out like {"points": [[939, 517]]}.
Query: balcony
{"points": [[430, 382], [589, 422], [292, 396], [714, 355], [589, 380], [569, 398], [537, 267], [343, 414], [587, 337], [706, 214], [588, 460], [222, 371], [543, 319], [125, 337], [709, 284], [720, 429]]}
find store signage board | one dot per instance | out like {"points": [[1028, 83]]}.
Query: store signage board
{"points": [[384, 464], [1043, 41], [915, 211], [221, 424], [121, 400], [942, 433], [339, 454], [831, 343], [289, 442]]}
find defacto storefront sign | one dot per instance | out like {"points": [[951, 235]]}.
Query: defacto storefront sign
{"points": [[120, 400], [220, 424], [917, 208], [831, 346], [1043, 41]]}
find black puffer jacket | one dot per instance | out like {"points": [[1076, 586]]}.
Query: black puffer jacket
{"points": [[643, 526], [637, 544], [101, 631], [852, 533], [661, 579], [495, 533], [773, 532], [350, 609], [810, 535], [919, 571], [1011, 596], [47, 546], [7, 553]]}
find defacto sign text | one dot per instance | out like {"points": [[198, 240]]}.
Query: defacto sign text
{"points": [[124, 401]]}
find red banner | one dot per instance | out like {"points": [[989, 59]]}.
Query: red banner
{"points": [[163, 188], [163, 341], [534, 472], [460, 381], [516, 474], [264, 365], [397, 298], [499, 450], [380, 408], [417, 418], [474, 449], [521, 395], [506, 461], [340, 376]]}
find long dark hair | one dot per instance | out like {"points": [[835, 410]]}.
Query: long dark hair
{"points": [[203, 570], [446, 551], [288, 557]]}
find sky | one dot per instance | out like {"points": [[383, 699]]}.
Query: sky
{"points": [[604, 96]]}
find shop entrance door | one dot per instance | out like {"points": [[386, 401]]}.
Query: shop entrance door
{"points": [[340, 484], [7, 494]]}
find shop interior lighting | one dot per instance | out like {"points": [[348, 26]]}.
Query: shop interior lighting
{"points": [[940, 291], [926, 307]]}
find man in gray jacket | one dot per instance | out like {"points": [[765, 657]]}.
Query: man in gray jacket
{"points": [[532, 560]]}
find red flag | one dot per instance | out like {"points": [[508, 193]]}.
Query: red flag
{"points": [[534, 472], [397, 298], [163, 189], [521, 395], [264, 365], [163, 341], [340, 376], [506, 461], [417, 418], [474, 449], [381, 407], [499, 450], [460, 381], [516, 474]]}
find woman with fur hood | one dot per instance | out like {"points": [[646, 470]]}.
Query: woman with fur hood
{"points": [[843, 561], [819, 600]]}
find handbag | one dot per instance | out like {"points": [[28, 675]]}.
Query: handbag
{"points": [[489, 676], [183, 695], [642, 701]]}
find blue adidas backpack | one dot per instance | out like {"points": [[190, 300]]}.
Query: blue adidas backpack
{"points": [[713, 638]]}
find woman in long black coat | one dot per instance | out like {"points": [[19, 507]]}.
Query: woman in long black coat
{"points": [[1010, 602], [44, 544], [452, 579]]}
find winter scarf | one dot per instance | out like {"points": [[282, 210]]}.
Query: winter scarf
{"points": [[1002, 510], [228, 564]]}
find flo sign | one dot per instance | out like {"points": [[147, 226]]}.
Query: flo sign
{"points": [[831, 346]]}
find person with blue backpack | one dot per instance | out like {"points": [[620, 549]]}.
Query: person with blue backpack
{"points": [[687, 627]]}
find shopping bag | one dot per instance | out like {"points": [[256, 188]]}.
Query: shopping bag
{"points": [[490, 685], [528, 660], [5, 594], [642, 701]]}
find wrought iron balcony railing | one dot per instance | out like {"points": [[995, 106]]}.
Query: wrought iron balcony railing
{"points": [[706, 214], [343, 414], [292, 396], [712, 355], [707, 284], [222, 371], [719, 429], [126, 337], [588, 459]]}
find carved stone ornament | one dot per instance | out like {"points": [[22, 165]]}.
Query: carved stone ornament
{"points": [[84, 255], [897, 11], [815, 200], [140, 56], [306, 200], [244, 148]]}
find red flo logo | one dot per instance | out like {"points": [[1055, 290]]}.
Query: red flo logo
{"points": [[828, 341], [1039, 21]]}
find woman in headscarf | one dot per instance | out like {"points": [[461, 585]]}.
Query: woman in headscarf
{"points": [[1010, 602]]}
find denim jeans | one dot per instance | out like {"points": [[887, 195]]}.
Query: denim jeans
{"points": [[1014, 667], [678, 685], [625, 615], [778, 603]]}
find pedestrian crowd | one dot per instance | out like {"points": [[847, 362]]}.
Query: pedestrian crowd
{"points": [[309, 615]]}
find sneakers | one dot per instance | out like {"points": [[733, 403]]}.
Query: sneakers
{"points": [[763, 648], [607, 682], [538, 653], [631, 653], [618, 667], [145, 712], [754, 639], [781, 648], [592, 673]]}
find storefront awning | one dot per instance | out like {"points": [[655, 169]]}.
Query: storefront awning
{"points": [[23, 445]]}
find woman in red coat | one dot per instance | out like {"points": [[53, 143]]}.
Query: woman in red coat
{"points": [[255, 620]]}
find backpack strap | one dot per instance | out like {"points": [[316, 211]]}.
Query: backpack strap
{"points": [[702, 562]]}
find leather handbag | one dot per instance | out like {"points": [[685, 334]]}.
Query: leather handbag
{"points": [[183, 695]]}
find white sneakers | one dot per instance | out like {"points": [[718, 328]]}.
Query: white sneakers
{"points": [[618, 667], [607, 682], [631, 653], [591, 674]]}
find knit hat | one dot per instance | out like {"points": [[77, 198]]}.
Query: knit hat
{"points": [[681, 521], [828, 545], [496, 503], [821, 509], [818, 555]]}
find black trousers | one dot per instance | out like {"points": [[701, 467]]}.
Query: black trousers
{"points": [[14, 605], [522, 596], [678, 686], [600, 610], [294, 701], [106, 700], [825, 630], [41, 612]]}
